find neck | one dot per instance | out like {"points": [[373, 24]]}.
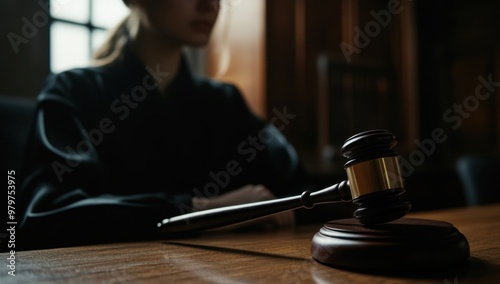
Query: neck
{"points": [[159, 55]]}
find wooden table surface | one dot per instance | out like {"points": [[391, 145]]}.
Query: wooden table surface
{"points": [[259, 257]]}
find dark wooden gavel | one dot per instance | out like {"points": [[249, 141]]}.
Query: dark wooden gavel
{"points": [[374, 184]]}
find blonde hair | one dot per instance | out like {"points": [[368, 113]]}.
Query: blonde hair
{"points": [[112, 49]]}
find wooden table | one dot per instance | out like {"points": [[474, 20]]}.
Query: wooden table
{"points": [[259, 257]]}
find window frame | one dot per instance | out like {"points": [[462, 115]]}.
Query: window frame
{"points": [[87, 25]]}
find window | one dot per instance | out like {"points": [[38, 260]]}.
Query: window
{"points": [[78, 28]]}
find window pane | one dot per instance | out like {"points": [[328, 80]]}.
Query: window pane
{"points": [[107, 13], [71, 10], [69, 46]]}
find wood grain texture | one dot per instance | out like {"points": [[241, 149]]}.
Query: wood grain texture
{"points": [[247, 257]]}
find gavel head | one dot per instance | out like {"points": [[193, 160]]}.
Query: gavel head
{"points": [[374, 177]]}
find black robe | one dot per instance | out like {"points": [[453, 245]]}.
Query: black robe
{"points": [[109, 156]]}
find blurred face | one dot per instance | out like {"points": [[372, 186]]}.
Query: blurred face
{"points": [[181, 22]]}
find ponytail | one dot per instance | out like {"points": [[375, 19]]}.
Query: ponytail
{"points": [[112, 49]]}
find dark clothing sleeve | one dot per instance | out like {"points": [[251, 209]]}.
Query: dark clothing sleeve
{"points": [[68, 196]]}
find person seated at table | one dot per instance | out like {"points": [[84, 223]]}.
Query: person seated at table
{"points": [[119, 146]]}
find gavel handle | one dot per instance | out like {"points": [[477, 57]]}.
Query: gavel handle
{"points": [[229, 215]]}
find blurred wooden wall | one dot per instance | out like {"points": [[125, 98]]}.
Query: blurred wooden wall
{"points": [[438, 50], [299, 32]]}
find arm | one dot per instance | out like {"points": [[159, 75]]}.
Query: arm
{"points": [[279, 163], [67, 195]]}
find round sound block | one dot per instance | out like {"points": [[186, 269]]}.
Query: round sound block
{"points": [[405, 244]]}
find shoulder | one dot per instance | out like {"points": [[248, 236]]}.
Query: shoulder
{"points": [[84, 76], [77, 75], [82, 84], [75, 78]]}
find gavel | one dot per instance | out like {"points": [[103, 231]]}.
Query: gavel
{"points": [[378, 239], [374, 183]]}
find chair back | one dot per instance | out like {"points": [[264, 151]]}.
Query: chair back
{"points": [[16, 118], [480, 177]]}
